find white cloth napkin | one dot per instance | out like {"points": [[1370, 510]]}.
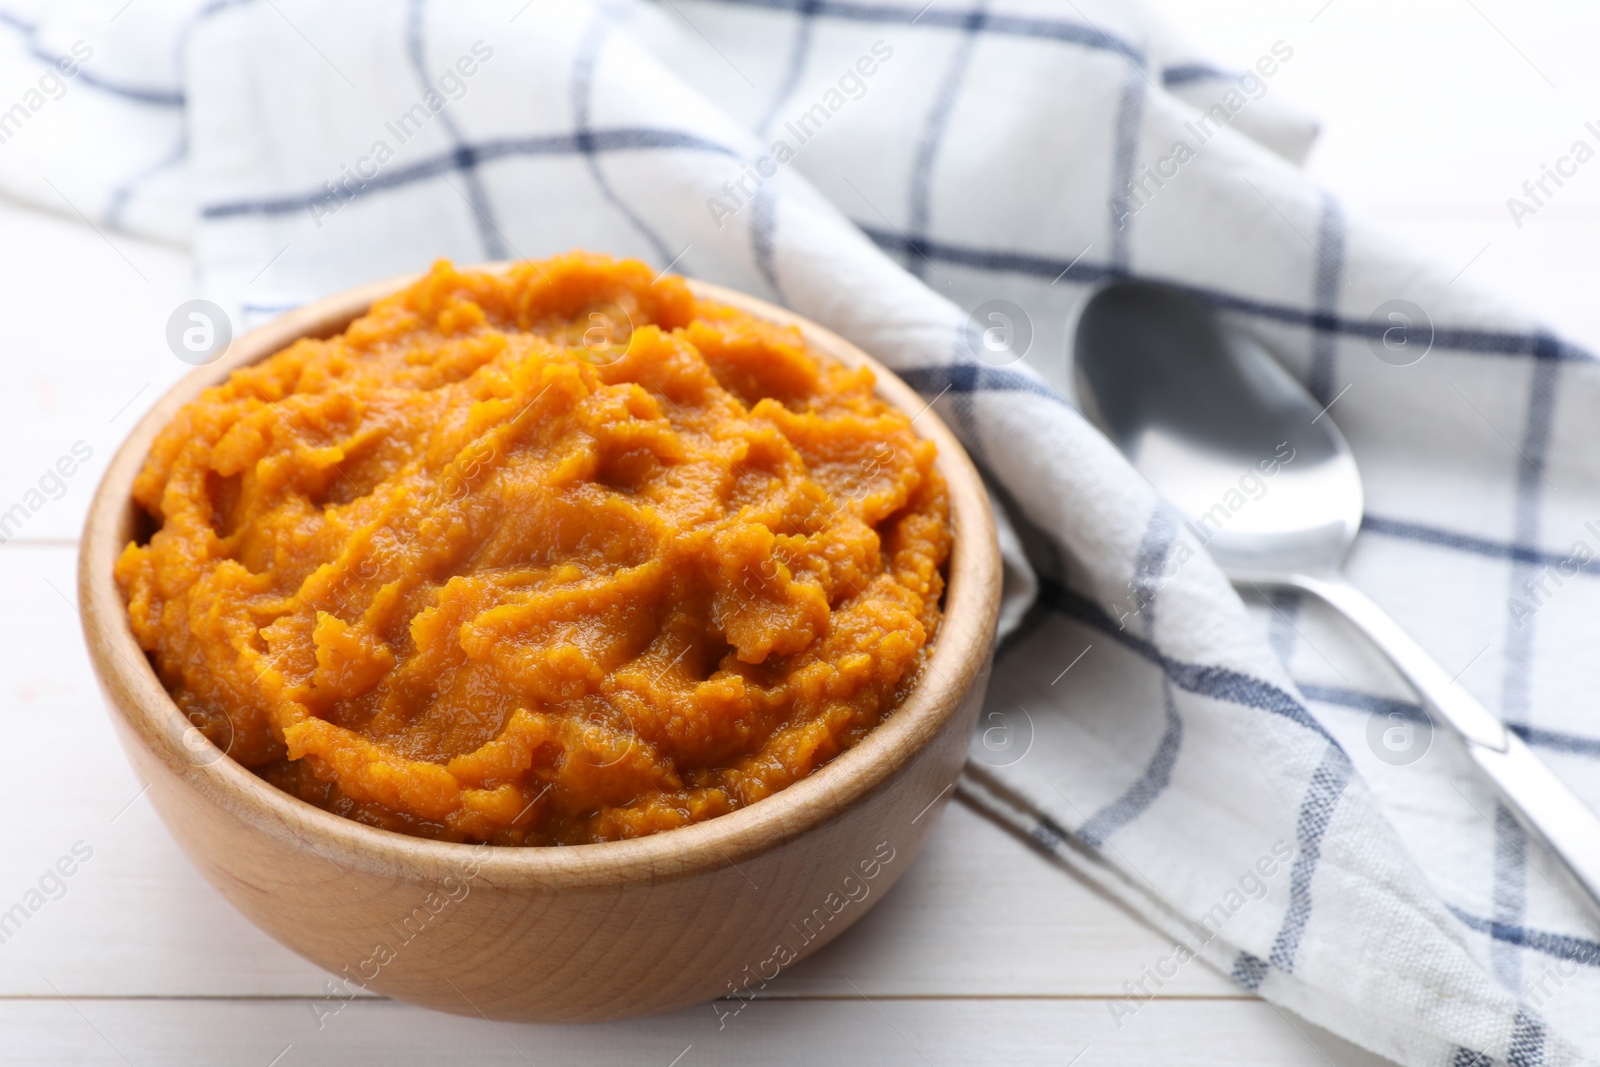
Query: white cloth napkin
{"points": [[1215, 765]]}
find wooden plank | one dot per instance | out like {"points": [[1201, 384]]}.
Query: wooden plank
{"points": [[284, 1033]]}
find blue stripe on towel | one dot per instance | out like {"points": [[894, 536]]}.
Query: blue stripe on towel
{"points": [[1559, 741], [1483, 546], [1130, 114], [1535, 446], [1559, 946], [1325, 295], [622, 139], [1527, 1041], [137, 93], [971, 376], [494, 245], [1369, 702], [1160, 534], [1061, 30], [1184, 73], [926, 155], [1327, 784], [594, 39], [1151, 783], [1538, 344], [1250, 971], [962, 406], [1281, 632], [122, 194], [1322, 798], [1372, 703], [1081, 272], [1510, 840], [1217, 683], [799, 52], [763, 235]]}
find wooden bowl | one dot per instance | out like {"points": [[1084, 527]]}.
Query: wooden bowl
{"points": [[583, 933]]}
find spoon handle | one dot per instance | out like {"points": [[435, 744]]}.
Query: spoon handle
{"points": [[1542, 802]]}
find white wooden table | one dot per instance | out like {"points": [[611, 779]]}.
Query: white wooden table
{"points": [[985, 952]]}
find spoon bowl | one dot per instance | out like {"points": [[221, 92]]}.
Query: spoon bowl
{"points": [[1265, 479]]}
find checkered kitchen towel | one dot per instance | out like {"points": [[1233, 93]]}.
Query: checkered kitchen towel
{"points": [[1250, 777]]}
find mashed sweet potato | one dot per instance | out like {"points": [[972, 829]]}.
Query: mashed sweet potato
{"points": [[550, 556]]}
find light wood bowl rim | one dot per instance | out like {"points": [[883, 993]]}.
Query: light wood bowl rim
{"points": [[962, 644]]}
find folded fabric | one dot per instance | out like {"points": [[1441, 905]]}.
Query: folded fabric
{"points": [[1250, 778]]}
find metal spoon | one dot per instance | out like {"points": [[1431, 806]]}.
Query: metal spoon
{"points": [[1204, 413]]}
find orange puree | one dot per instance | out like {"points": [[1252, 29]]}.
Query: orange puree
{"points": [[550, 556]]}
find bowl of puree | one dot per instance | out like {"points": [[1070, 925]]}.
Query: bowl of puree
{"points": [[545, 640]]}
